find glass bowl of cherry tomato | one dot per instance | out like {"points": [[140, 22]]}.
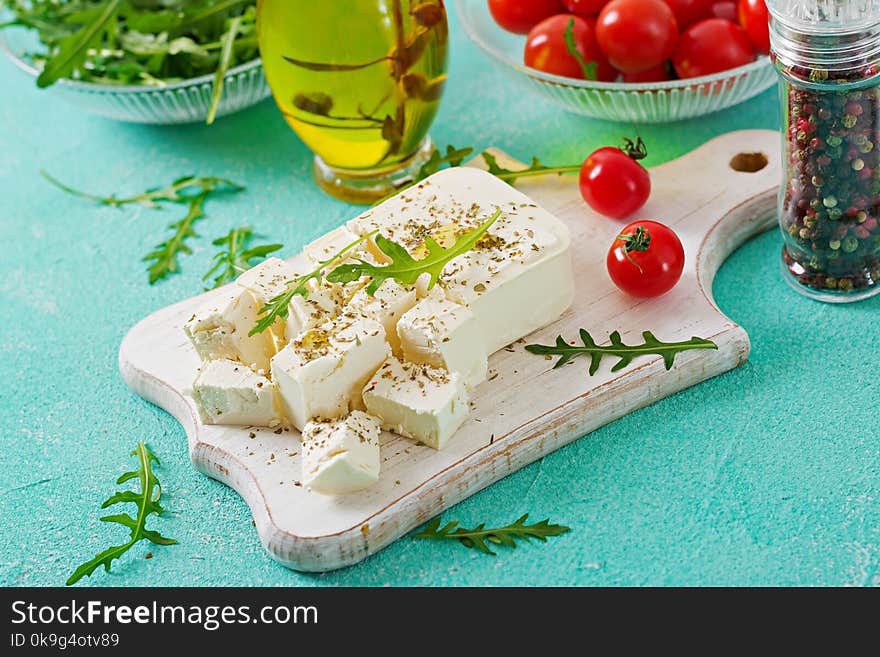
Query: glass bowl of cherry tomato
{"points": [[641, 61]]}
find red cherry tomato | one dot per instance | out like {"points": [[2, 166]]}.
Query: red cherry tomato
{"points": [[585, 7], [755, 20], [725, 9], [656, 74], [613, 182], [547, 51], [711, 46], [688, 12], [636, 34], [520, 16], [646, 260]]}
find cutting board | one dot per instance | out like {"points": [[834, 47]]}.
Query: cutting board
{"points": [[526, 409]]}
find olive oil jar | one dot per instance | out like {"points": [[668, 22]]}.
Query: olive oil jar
{"points": [[360, 82]]}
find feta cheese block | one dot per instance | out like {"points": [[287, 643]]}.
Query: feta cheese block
{"points": [[211, 334], [517, 279], [220, 330], [445, 334], [228, 392], [327, 246], [322, 371], [386, 306], [417, 401], [341, 456]]}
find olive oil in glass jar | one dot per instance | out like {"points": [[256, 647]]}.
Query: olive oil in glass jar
{"points": [[360, 82]]}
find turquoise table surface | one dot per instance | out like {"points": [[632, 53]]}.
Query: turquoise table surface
{"points": [[768, 475]]}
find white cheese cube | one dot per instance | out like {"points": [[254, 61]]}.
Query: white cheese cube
{"points": [[220, 330], [445, 334], [321, 372], [517, 279], [417, 401], [386, 306], [228, 392], [268, 279], [341, 456], [211, 334]]}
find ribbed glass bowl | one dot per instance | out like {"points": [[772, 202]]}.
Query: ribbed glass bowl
{"points": [[654, 102], [178, 102]]}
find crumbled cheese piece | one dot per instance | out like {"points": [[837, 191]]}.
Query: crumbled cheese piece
{"points": [[341, 456], [211, 334], [228, 392], [444, 334], [386, 306], [322, 371], [417, 401]]}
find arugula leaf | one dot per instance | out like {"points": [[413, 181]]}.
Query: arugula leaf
{"points": [[235, 258], [536, 168], [226, 55], [73, 49], [626, 353], [477, 537], [453, 158], [164, 255], [152, 197], [147, 501], [591, 69], [403, 267], [279, 306]]}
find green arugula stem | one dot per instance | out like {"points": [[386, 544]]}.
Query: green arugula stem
{"points": [[626, 353], [147, 502], [478, 536], [279, 306], [526, 173]]}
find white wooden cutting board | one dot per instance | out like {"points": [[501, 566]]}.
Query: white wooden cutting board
{"points": [[527, 409]]}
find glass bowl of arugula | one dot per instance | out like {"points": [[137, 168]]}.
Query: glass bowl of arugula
{"points": [[638, 102], [141, 61]]}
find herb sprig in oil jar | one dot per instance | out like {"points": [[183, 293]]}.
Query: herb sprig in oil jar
{"points": [[360, 82], [828, 56]]}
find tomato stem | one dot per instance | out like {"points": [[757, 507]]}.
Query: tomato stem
{"points": [[637, 241], [634, 150]]}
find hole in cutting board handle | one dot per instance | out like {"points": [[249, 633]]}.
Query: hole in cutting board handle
{"points": [[748, 162]]}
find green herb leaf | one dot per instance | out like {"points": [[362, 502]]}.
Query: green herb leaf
{"points": [[452, 158], [226, 54], [279, 306], [477, 537], [403, 267], [164, 255], [589, 69], [151, 198], [147, 501], [626, 353], [536, 168], [72, 50], [235, 259]]}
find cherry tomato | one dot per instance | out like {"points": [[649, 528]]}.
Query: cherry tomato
{"points": [[585, 7], [688, 12], [755, 20], [613, 182], [656, 74], [520, 16], [725, 9], [646, 259], [711, 46], [547, 51], [636, 34]]}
